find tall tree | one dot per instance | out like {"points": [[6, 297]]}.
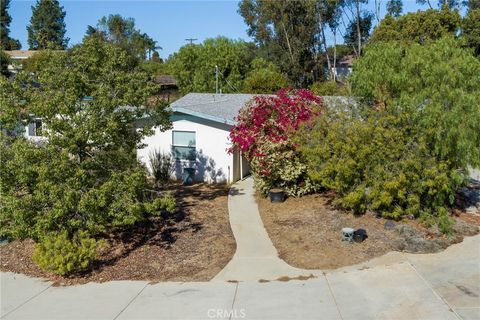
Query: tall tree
{"points": [[85, 181], [122, 32], [194, 65], [47, 26], [285, 32], [6, 43], [452, 4], [471, 30], [358, 32], [423, 2], [328, 13], [471, 4], [263, 77], [359, 21], [413, 77], [421, 26], [394, 8]]}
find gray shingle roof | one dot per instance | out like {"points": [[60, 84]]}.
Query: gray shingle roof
{"points": [[224, 108], [221, 108]]}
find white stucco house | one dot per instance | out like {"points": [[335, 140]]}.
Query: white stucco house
{"points": [[199, 138]]}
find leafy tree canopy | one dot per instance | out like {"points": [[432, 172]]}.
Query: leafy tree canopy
{"points": [[285, 32], [6, 43], [90, 99], [122, 32], [4, 62], [365, 25], [437, 83], [394, 8], [47, 26], [419, 27], [264, 77], [84, 181], [194, 65], [471, 30]]}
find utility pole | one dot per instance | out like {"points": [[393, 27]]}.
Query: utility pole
{"points": [[191, 40], [216, 79]]}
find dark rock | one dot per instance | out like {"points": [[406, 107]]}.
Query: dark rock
{"points": [[468, 197], [389, 225]]}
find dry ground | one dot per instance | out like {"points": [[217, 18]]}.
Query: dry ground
{"points": [[307, 233], [193, 245]]}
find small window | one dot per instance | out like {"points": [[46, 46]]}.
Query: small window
{"points": [[35, 128], [184, 145]]}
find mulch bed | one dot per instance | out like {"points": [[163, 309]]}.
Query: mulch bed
{"points": [[193, 245], [307, 233]]}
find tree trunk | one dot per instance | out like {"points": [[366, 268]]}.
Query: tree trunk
{"points": [[359, 32], [335, 54], [288, 43], [324, 40], [335, 42]]}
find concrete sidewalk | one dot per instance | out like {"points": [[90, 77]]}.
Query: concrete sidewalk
{"points": [[255, 258], [397, 286]]}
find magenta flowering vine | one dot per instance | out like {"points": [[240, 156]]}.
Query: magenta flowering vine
{"points": [[264, 132]]}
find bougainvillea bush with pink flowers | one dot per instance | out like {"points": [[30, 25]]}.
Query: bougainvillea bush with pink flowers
{"points": [[263, 133]]}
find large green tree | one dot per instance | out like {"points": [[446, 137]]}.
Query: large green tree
{"points": [[6, 43], [285, 32], [358, 32], [404, 147], [437, 83], [471, 30], [194, 65], [264, 77], [394, 8], [47, 26], [122, 32], [472, 4], [84, 181], [418, 27]]}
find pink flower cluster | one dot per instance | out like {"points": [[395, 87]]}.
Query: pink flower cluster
{"points": [[273, 119]]}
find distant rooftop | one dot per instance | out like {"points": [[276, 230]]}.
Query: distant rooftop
{"points": [[20, 54], [165, 80], [221, 108]]}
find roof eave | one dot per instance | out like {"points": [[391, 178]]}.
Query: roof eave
{"points": [[202, 115]]}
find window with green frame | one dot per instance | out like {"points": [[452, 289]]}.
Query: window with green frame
{"points": [[184, 145]]}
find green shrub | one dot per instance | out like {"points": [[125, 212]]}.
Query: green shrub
{"points": [[165, 203], [378, 162], [161, 165], [280, 167], [329, 88], [57, 253]]}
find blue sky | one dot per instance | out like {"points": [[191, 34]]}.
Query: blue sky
{"points": [[167, 22]]}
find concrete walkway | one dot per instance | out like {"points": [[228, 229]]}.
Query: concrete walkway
{"points": [[255, 258]]}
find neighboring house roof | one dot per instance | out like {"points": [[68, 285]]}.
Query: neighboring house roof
{"points": [[165, 80], [346, 61], [221, 108], [20, 54]]}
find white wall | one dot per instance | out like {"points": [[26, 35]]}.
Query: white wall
{"points": [[213, 163]]}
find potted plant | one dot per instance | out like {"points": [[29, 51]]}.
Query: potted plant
{"points": [[276, 195]]}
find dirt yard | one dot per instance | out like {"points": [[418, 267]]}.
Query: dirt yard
{"points": [[307, 233], [193, 245]]}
